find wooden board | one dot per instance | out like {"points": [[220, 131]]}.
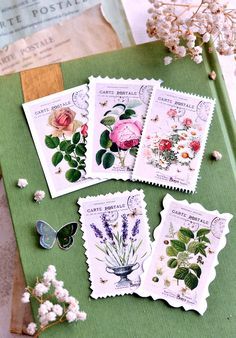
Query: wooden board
{"points": [[36, 83]]}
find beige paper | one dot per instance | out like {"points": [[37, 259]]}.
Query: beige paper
{"points": [[86, 34]]}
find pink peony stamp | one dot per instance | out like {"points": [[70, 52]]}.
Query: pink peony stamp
{"points": [[173, 139], [117, 110], [184, 254], [58, 125]]}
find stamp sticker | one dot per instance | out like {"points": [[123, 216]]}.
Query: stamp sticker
{"points": [[58, 124], [184, 254], [116, 234], [117, 110], [173, 139]]}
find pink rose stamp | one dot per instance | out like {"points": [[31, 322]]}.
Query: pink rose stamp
{"points": [[58, 125], [173, 139], [184, 254], [117, 110], [116, 234]]}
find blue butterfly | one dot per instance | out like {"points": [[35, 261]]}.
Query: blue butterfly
{"points": [[64, 235]]}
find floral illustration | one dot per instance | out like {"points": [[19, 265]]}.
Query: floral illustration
{"points": [[179, 147], [68, 139], [186, 254], [119, 247], [122, 134]]}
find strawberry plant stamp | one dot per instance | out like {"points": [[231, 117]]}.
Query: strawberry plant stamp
{"points": [[116, 234], [58, 124], [184, 254], [117, 110], [173, 139]]}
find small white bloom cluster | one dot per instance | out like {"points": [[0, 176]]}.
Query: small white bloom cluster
{"points": [[49, 313], [22, 183], [39, 195], [184, 28]]}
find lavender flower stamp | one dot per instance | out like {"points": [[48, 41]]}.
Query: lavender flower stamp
{"points": [[173, 139], [117, 109], [116, 236], [184, 254]]}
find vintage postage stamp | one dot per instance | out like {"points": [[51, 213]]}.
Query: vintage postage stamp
{"points": [[116, 234], [117, 108], [173, 139], [184, 254], [58, 124]]}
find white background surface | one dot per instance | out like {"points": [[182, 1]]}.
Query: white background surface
{"points": [[137, 16]]}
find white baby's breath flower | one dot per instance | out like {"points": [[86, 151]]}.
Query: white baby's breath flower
{"points": [[57, 309], [197, 59], [25, 297], [51, 316], [39, 196], [40, 289], [52, 268], [31, 329], [61, 294], [42, 310], [206, 37], [22, 183], [43, 320], [48, 277], [81, 315], [71, 316], [58, 283], [48, 305], [167, 60]]}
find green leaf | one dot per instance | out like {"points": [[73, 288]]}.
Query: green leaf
{"points": [[186, 232], [81, 167], [76, 138], [73, 163], [108, 160], [64, 144], [130, 112], [133, 103], [170, 251], [196, 268], [205, 239], [99, 156], [80, 149], [52, 142], [124, 117], [181, 273], [105, 141], [114, 148], [133, 151], [178, 245], [183, 238], [70, 149], [67, 157], [57, 158], [172, 263], [200, 249], [191, 281], [108, 121], [202, 232], [120, 105], [73, 175], [192, 246]]}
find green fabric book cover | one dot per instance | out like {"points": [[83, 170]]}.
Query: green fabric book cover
{"points": [[130, 315]]}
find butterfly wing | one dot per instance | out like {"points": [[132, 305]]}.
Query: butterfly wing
{"points": [[65, 235], [47, 234]]}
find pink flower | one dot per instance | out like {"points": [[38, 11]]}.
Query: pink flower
{"points": [[81, 315], [172, 113], [63, 121], [195, 145], [165, 145], [187, 122], [84, 130], [147, 153], [71, 316], [126, 133]]}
